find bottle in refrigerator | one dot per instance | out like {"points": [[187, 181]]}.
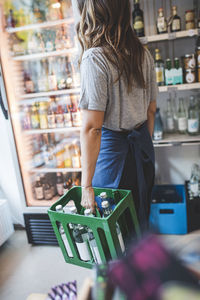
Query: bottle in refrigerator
{"points": [[43, 115], [51, 116], [159, 68], [76, 158], [194, 182], [59, 117], [42, 81], [193, 117], [28, 83], [170, 126], [69, 73], [35, 121], [11, 22], [106, 212], [67, 157], [59, 184], [158, 126], [26, 121], [175, 21], [60, 156], [61, 73], [161, 22], [47, 191], [52, 81], [138, 19], [76, 116], [39, 192], [92, 241], [181, 117], [59, 208], [67, 116]]}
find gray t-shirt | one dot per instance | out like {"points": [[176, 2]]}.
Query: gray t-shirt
{"points": [[101, 92]]}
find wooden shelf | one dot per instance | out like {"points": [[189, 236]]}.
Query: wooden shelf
{"points": [[51, 93], [46, 203], [179, 87], [54, 170], [177, 140], [45, 54], [41, 25], [169, 36], [55, 130]]}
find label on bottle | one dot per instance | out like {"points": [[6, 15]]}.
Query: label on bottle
{"points": [[121, 241], [59, 121], [194, 188], [48, 194], [67, 119], [39, 193], [76, 162], [176, 24], [182, 124], [67, 246], [192, 63], [138, 25], [157, 135], [170, 124], [68, 162], [83, 251], [35, 122], [193, 125], [60, 160], [76, 119], [159, 74], [190, 76], [43, 121], [52, 82], [29, 85], [59, 187], [168, 77], [51, 121], [162, 25]]}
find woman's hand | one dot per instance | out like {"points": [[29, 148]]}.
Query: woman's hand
{"points": [[87, 200]]}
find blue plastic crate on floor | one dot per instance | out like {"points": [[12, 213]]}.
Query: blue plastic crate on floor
{"points": [[169, 213]]}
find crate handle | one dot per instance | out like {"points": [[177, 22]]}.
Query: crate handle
{"points": [[166, 211]]}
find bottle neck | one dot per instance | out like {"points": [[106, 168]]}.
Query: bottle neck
{"points": [[158, 56], [174, 12]]}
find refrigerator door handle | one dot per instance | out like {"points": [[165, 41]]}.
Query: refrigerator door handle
{"points": [[4, 110]]}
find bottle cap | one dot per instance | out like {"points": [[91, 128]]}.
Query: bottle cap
{"points": [[160, 9], [73, 209], [103, 195], [157, 50], [87, 212], [59, 208], [105, 204]]}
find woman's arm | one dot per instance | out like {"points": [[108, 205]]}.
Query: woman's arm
{"points": [[90, 147], [151, 116]]}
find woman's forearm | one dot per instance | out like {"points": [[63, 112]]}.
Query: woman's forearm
{"points": [[150, 122], [90, 147]]}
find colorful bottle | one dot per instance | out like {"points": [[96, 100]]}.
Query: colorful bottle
{"points": [[159, 68], [59, 117], [138, 19]]}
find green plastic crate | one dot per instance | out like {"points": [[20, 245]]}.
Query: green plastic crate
{"points": [[104, 229]]}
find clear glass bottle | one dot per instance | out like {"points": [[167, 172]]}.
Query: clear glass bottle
{"points": [[138, 19], [194, 190], [158, 126], [161, 22], [181, 117], [81, 243], [159, 68], [170, 126], [106, 212], [193, 117]]}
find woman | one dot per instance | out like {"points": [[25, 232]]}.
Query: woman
{"points": [[118, 103]]}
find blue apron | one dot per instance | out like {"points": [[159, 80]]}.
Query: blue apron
{"points": [[126, 160]]}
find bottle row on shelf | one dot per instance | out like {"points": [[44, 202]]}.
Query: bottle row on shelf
{"points": [[43, 115], [54, 73], [47, 186], [182, 120], [43, 40], [49, 153], [36, 12], [189, 72], [164, 25], [82, 235]]}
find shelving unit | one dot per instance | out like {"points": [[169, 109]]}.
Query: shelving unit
{"points": [[53, 130], [50, 93], [170, 36], [179, 87], [45, 54], [54, 170], [177, 140], [40, 25]]}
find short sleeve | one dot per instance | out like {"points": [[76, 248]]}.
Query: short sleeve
{"points": [[94, 84]]}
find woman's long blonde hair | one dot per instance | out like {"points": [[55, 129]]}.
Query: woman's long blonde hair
{"points": [[107, 24]]}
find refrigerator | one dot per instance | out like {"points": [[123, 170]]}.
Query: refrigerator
{"points": [[41, 82]]}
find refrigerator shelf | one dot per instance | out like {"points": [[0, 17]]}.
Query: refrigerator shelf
{"points": [[169, 36], [177, 140], [179, 87], [48, 203], [45, 54], [54, 170], [50, 93], [55, 130], [40, 25]]}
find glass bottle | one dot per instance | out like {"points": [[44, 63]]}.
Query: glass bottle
{"points": [[92, 241], [67, 157], [78, 234], [52, 81], [43, 115], [175, 24], [170, 126], [11, 22], [161, 22], [193, 117], [159, 68], [168, 72], [158, 126], [138, 19], [35, 122], [177, 72], [67, 116], [106, 212], [59, 117], [59, 184], [181, 117], [194, 182], [47, 191], [39, 193], [76, 158], [51, 117]]}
